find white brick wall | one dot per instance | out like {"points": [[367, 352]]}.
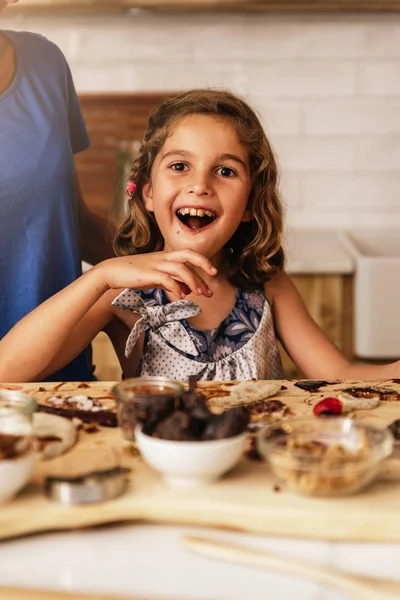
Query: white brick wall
{"points": [[326, 87]]}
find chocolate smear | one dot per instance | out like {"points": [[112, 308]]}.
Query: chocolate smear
{"points": [[252, 453], [12, 446], [261, 407], [371, 392], [313, 385], [394, 428]]}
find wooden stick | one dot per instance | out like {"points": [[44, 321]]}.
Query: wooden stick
{"points": [[280, 6], [358, 586]]}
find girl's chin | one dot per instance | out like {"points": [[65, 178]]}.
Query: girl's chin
{"points": [[204, 249]]}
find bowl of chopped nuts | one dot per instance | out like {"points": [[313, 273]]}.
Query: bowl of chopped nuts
{"points": [[324, 457]]}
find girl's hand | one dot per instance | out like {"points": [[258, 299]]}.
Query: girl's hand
{"points": [[175, 272]]}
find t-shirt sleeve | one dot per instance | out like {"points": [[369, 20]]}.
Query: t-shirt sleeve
{"points": [[77, 128]]}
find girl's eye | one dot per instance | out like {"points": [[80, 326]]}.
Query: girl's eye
{"points": [[226, 172], [179, 166]]}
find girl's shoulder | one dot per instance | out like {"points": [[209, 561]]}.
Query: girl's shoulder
{"points": [[279, 283]]}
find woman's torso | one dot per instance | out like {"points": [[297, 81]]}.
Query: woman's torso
{"points": [[40, 128]]}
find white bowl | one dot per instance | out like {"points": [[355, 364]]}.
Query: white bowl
{"points": [[15, 473], [190, 463]]}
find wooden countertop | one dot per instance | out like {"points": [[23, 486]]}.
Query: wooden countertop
{"points": [[246, 499]]}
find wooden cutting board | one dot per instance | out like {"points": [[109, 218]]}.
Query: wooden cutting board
{"points": [[247, 499]]}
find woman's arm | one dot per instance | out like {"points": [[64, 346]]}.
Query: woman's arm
{"points": [[307, 345]]}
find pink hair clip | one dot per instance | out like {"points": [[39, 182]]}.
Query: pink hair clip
{"points": [[130, 188]]}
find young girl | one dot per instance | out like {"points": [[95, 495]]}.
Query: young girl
{"points": [[202, 248]]}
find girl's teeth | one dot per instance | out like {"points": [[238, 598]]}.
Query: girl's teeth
{"points": [[195, 212]]}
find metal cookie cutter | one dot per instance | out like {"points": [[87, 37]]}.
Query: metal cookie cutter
{"points": [[97, 486]]}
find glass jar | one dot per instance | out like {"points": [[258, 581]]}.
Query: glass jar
{"points": [[142, 398], [18, 401]]}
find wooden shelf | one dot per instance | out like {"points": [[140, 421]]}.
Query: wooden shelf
{"points": [[277, 6], [113, 121]]}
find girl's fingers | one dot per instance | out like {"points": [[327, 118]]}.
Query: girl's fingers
{"points": [[174, 271], [187, 276], [194, 258], [185, 289], [169, 284]]}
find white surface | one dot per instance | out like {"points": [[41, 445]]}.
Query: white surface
{"points": [[190, 463], [316, 251], [148, 560], [376, 292], [86, 266]]}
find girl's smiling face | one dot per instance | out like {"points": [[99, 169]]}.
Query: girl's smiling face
{"points": [[200, 185]]}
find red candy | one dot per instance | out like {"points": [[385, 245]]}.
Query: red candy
{"points": [[328, 407]]}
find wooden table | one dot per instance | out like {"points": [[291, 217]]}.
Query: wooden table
{"points": [[245, 500]]}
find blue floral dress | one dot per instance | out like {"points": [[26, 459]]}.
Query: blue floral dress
{"points": [[243, 346]]}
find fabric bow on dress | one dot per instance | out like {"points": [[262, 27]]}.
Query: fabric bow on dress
{"points": [[165, 319]]}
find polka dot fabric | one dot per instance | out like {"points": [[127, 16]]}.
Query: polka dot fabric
{"points": [[166, 318], [258, 358]]}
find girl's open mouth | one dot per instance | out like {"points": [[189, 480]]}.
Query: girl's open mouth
{"points": [[195, 218]]}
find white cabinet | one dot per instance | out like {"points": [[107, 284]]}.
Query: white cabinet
{"points": [[376, 292]]}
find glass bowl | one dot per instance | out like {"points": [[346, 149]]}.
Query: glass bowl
{"points": [[141, 398], [324, 456], [14, 399]]}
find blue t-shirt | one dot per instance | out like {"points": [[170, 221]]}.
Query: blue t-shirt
{"points": [[41, 127]]}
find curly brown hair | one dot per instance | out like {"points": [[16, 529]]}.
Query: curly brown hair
{"points": [[254, 252]]}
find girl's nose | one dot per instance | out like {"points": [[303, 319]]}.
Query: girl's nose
{"points": [[198, 185]]}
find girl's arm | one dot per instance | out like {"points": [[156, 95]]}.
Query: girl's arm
{"points": [[49, 337], [59, 329], [307, 345]]}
